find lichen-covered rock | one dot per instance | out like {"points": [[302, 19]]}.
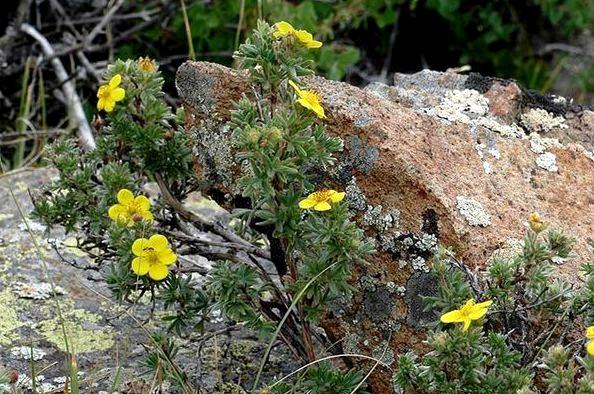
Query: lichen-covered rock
{"points": [[107, 341], [441, 156]]}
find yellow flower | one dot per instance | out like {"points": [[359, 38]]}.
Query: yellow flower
{"points": [[283, 29], [306, 39], [321, 200], [130, 209], [590, 344], [467, 313], [110, 93], [536, 223], [302, 36], [147, 64], [309, 99], [153, 257]]}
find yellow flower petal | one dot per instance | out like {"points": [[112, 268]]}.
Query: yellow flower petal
{"points": [[167, 257], [484, 304], [306, 39], [313, 44], [307, 203], [590, 332], [143, 203], [466, 324], [100, 104], [282, 29], [158, 271], [452, 317], [125, 197], [117, 94], [469, 304], [158, 242], [477, 313], [109, 105], [139, 245], [337, 196], [140, 266], [116, 211], [115, 81], [313, 106], [590, 348], [322, 206], [148, 216], [294, 86]]}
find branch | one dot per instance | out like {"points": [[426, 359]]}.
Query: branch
{"points": [[75, 105], [209, 225], [97, 29]]}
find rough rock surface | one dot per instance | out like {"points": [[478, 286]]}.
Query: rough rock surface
{"points": [[103, 334], [438, 157]]}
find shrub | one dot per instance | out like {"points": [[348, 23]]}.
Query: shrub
{"points": [[280, 143], [532, 338]]}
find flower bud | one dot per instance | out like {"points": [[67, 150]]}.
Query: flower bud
{"points": [[13, 377], [168, 135], [274, 134], [253, 135], [536, 223]]}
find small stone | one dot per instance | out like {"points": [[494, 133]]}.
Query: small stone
{"points": [[487, 167], [504, 100]]}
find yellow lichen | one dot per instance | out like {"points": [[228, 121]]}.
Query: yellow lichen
{"points": [[80, 339], [10, 320]]}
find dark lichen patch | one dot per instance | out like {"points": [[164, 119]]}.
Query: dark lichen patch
{"points": [[419, 285], [430, 222], [378, 305], [193, 87], [550, 103], [481, 83], [360, 155], [410, 245]]}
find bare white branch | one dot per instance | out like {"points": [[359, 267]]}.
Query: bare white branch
{"points": [[74, 103]]}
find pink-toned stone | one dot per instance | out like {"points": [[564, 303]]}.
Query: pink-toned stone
{"points": [[504, 100]]}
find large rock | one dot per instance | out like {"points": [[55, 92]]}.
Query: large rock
{"points": [[438, 157]]}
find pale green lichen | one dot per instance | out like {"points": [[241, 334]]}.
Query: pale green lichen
{"points": [[547, 161], [511, 248], [540, 144], [10, 320], [80, 338], [542, 121], [4, 216], [473, 211], [468, 106], [383, 353]]}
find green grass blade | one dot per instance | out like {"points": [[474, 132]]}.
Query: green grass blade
{"points": [[191, 54], [282, 322]]}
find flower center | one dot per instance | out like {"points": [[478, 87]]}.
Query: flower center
{"points": [[467, 309], [134, 211], [151, 255], [322, 195], [104, 93], [311, 96]]}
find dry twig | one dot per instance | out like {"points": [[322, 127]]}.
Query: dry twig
{"points": [[73, 101]]}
